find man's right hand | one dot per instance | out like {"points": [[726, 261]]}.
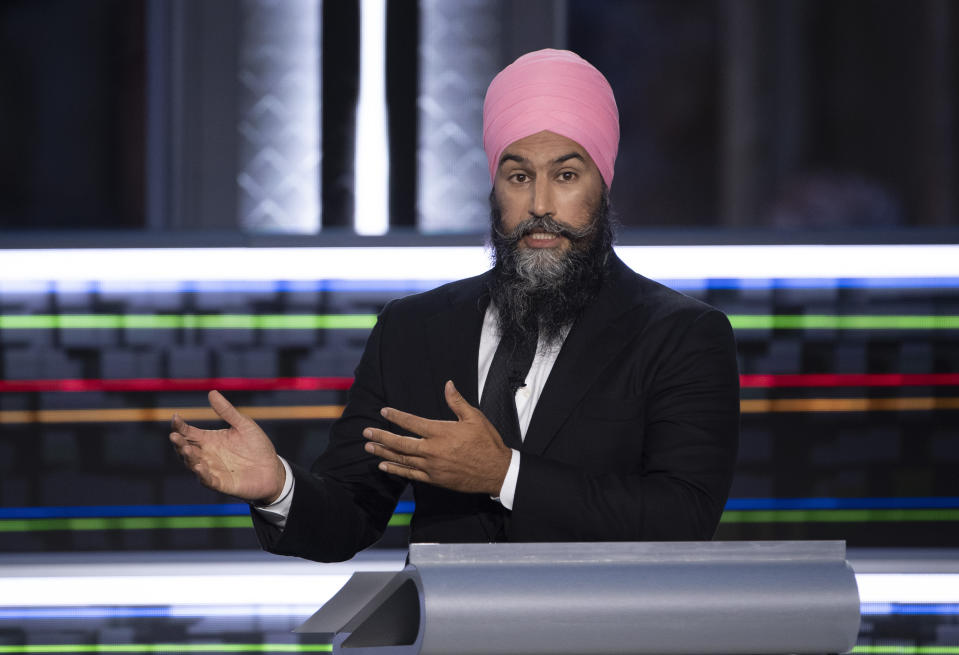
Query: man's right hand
{"points": [[239, 461]]}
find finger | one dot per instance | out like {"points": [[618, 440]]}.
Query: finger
{"points": [[404, 471], [178, 440], [394, 442], [188, 456], [409, 461], [184, 428], [202, 471], [416, 424], [457, 403], [193, 460], [224, 409]]}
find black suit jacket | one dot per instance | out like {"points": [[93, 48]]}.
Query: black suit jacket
{"points": [[634, 436]]}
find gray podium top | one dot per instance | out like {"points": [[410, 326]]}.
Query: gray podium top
{"points": [[585, 598]]}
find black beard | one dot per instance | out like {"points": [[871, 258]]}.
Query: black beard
{"points": [[544, 290]]}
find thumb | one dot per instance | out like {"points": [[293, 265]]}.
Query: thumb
{"points": [[457, 403], [224, 409]]}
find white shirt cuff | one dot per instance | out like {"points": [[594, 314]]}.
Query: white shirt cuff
{"points": [[277, 511], [508, 490]]}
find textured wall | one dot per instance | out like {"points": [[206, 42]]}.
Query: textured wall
{"points": [[279, 116], [458, 58]]}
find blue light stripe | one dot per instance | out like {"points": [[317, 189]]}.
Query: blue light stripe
{"points": [[933, 502], [815, 283], [41, 613], [407, 507], [297, 611], [153, 612], [901, 609], [105, 511]]}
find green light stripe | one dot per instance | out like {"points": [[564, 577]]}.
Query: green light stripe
{"points": [[906, 650], [403, 519], [828, 322], [840, 515], [168, 648], [147, 523], [125, 523], [190, 321], [327, 648], [400, 520]]}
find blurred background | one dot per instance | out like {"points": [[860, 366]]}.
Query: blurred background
{"points": [[169, 115], [223, 194]]}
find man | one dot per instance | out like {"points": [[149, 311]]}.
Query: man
{"points": [[625, 420]]}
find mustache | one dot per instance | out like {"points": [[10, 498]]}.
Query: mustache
{"points": [[545, 223]]}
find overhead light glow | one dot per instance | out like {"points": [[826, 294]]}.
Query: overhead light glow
{"points": [[908, 587], [171, 590], [682, 263], [282, 583], [315, 589], [371, 190]]}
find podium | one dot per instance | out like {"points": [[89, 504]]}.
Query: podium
{"points": [[600, 598]]}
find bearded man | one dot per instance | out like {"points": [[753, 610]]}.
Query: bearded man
{"points": [[558, 397]]}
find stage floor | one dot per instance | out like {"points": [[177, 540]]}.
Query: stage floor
{"points": [[249, 601]]}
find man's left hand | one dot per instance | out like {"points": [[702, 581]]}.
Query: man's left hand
{"points": [[465, 455]]}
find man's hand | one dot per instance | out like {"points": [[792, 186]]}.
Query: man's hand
{"points": [[465, 455], [239, 461]]}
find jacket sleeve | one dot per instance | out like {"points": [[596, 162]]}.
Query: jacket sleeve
{"points": [[677, 488], [343, 503]]}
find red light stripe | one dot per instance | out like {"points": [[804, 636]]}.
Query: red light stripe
{"points": [[343, 383], [850, 380], [181, 384], [793, 405]]}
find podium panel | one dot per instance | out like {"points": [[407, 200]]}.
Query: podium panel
{"points": [[600, 598]]}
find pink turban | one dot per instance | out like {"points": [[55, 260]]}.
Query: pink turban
{"points": [[555, 90]]}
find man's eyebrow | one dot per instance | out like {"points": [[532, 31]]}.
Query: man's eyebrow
{"points": [[568, 156], [508, 156]]}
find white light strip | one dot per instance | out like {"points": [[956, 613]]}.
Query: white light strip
{"points": [[451, 263], [243, 264], [314, 589], [170, 590], [908, 587], [694, 262], [186, 611], [371, 189], [285, 582]]}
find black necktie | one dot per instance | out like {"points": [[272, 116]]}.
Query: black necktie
{"points": [[507, 373]]}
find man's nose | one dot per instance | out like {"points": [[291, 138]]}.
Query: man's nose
{"points": [[541, 197]]}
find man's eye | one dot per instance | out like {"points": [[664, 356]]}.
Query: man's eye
{"points": [[519, 177], [567, 176]]}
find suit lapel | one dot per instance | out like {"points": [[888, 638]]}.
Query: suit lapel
{"points": [[453, 338], [594, 341]]}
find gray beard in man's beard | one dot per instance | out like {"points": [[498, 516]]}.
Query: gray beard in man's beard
{"points": [[545, 289]]}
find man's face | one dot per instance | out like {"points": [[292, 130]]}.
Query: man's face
{"points": [[547, 175]]}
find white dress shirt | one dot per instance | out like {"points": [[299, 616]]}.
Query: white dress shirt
{"points": [[526, 399]]}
